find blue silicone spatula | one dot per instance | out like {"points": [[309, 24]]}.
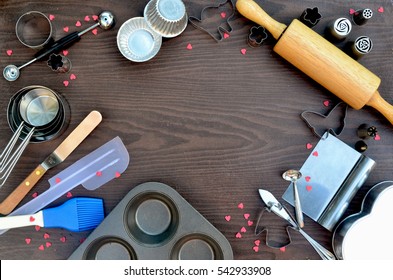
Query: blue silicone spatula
{"points": [[91, 171], [76, 214]]}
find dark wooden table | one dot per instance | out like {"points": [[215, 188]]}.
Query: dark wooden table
{"points": [[211, 122]]}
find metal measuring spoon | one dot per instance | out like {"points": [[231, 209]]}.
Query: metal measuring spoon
{"points": [[106, 20], [292, 176]]}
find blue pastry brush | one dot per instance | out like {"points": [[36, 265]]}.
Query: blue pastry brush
{"points": [[76, 214]]}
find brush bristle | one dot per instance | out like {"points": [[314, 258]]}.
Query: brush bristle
{"points": [[77, 214]]}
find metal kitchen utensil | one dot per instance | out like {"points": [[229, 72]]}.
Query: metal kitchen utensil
{"points": [[106, 21], [256, 36], [310, 17], [360, 17], [56, 157], [59, 63], [338, 30], [366, 131], [274, 206], [153, 221], [292, 176], [361, 46], [332, 174], [92, 171]]}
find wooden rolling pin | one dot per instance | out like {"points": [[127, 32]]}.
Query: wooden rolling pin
{"points": [[321, 60]]}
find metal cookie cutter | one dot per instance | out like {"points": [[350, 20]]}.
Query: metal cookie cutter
{"points": [[310, 17], [197, 22], [257, 36], [333, 121]]}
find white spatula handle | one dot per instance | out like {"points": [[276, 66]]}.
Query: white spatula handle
{"points": [[22, 221]]}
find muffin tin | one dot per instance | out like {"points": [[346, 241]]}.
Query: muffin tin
{"points": [[41, 133], [154, 222]]}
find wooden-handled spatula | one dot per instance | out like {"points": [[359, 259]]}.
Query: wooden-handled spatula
{"points": [[321, 60]]}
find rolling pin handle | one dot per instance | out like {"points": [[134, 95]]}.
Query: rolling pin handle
{"points": [[382, 106], [252, 11]]}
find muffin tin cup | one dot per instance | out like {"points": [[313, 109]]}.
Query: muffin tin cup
{"points": [[154, 222]]}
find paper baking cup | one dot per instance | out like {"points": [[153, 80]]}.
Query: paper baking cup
{"points": [[166, 17], [137, 41]]}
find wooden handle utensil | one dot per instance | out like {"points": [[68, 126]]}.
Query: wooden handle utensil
{"points": [[321, 60]]}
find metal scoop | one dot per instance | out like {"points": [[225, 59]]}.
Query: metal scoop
{"points": [[293, 176], [106, 21]]}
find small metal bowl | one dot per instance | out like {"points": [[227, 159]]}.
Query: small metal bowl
{"points": [[137, 41]]}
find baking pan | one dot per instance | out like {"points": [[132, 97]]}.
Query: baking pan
{"points": [[154, 222]]}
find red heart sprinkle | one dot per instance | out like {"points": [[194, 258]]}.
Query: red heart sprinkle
{"points": [[246, 216], [238, 235], [315, 154], [250, 223], [82, 240], [69, 194], [37, 228], [189, 46], [72, 77], [28, 241], [51, 17], [48, 244], [352, 11], [63, 239], [9, 52], [41, 247], [32, 219], [66, 29], [256, 249], [46, 235], [117, 174], [307, 178], [257, 242], [309, 146], [98, 173], [282, 249], [95, 17], [226, 35], [377, 137], [243, 229], [34, 195], [309, 188], [95, 31], [228, 218], [87, 18], [381, 9], [326, 103], [243, 51], [57, 180], [78, 23], [66, 83], [223, 14], [240, 206], [65, 52]]}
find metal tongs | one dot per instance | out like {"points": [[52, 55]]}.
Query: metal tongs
{"points": [[273, 205]]}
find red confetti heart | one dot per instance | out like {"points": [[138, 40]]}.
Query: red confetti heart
{"points": [[309, 146], [48, 244], [307, 178], [82, 240], [309, 188], [72, 77], [46, 235], [117, 174], [189, 46], [226, 35], [65, 52], [57, 180], [98, 173], [282, 249], [34, 195], [246, 216], [223, 15], [315, 154], [32, 219], [28, 241], [257, 242], [37, 228], [69, 194], [9, 52], [66, 83], [41, 248], [95, 31], [95, 17], [250, 223], [51, 17], [87, 18], [228, 218], [381, 9], [243, 230], [377, 137], [243, 51], [352, 11], [326, 103], [256, 249], [63, 239], [78, 24], [66, 29], [240, 206], [238, 235]]}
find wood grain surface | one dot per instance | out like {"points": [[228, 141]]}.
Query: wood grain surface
{"points": [[210, 122]]}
